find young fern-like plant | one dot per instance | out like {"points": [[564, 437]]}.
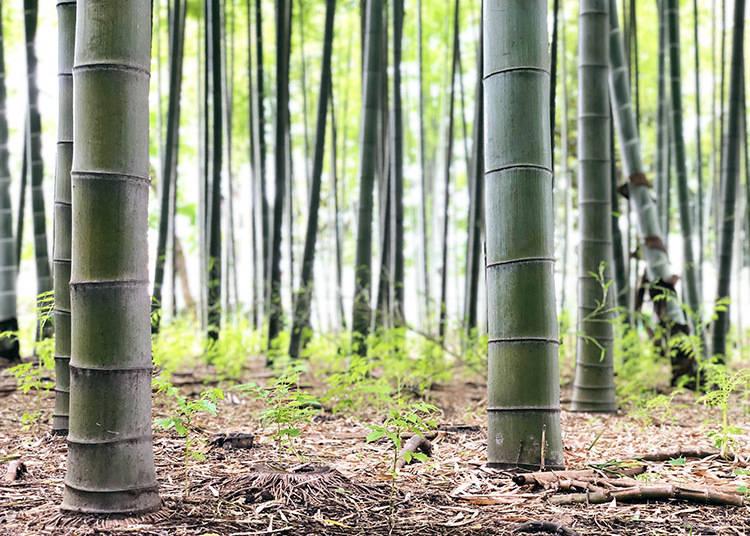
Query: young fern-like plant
{"points": [[722, 384]]}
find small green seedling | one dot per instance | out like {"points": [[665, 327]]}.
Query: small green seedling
{"points": [[181, 421], [415, 418], [286, 406]]}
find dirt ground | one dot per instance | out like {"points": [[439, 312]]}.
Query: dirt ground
{"points": [[231, 492]]}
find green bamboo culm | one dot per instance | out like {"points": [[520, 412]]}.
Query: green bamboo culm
{"points": [[171, 153], [373, 67], [594, 383], [36, 164], [658, 267], [110, 467], [690, 282], [66, 28], [301, 319], [523, 382], [9, 348], [730, 172]]}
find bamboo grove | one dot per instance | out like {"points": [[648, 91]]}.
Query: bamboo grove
{"points": [[346, 167]]}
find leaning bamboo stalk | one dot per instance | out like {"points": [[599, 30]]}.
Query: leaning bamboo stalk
{"points": [[658, 266], [110, 466]]}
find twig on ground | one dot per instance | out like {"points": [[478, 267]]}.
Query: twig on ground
{"points": [[413, 445], [657, 492]]}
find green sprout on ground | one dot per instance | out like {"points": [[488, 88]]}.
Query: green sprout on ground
{"points": [[404, 418], [182, 420], [286, 406]]}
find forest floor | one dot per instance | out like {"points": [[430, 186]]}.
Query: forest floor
{"points": [[228, 493]]}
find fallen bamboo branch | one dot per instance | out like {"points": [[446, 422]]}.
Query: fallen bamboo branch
{"points": [[546, 478], [546, 527], [683, 452], [412, 446], [657, 492]]}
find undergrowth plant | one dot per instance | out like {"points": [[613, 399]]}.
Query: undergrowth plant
{"points": [[721, 384], [35, 377], [404, 417], [286, 406], [182, 419], [236, 343]]}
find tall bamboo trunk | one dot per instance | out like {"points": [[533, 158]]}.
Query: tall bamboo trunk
{"points": [[659, 270], [371, 105], [443, 313], [622, 285], [110, 453], [301, 320], [699, 149], [9, 349], [283, 50], [476, 195], [171, 152], [213, 177], [36, 164], [424, 239], [22, 188], [259, 156], [66, 17], [730, 172], [662, 128], [523, 382], [594, 383], [680, 157], [397, 169]]}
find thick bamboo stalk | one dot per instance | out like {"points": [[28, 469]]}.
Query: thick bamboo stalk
{"points": [[523, 383], [730, 171], [594, 385], [61, 257], [9, 348], [110, 453]]}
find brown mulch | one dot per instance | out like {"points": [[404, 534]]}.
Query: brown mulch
{"points": [[335, 483]]}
